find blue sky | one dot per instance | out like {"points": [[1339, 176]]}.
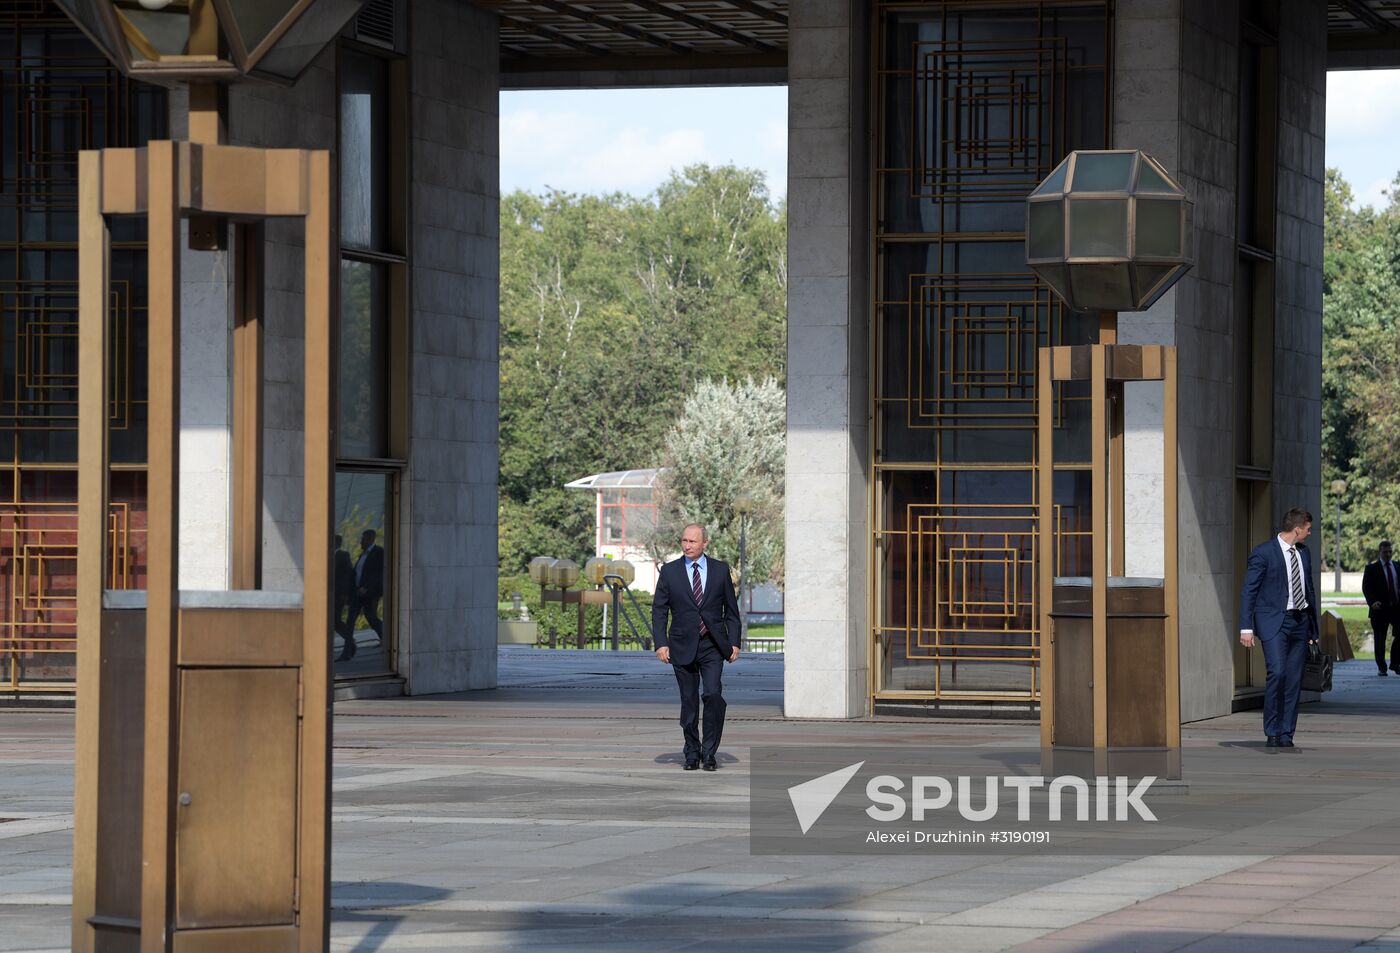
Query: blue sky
{"points": [[1363, 130], [629, 140]]}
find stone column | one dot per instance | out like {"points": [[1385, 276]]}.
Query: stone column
{"points": [[448, 592], [206, 307], [827, 597]]}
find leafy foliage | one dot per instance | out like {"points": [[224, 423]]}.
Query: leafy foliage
{"points": [[1361, 369], [730, 439], [612, 309]]}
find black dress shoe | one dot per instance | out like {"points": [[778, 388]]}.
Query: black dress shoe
{"points": [[1285, 741], [710, 764], [691, 764], [1395, 667], [1272, 742], [1382, 673]]}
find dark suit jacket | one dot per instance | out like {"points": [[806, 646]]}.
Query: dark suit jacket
{"points": [[1265, 595], [344, 575], [372, 576], [1375, 588], [674, 597]]}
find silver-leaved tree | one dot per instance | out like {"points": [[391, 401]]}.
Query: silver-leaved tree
{"points": [[729, 440]]}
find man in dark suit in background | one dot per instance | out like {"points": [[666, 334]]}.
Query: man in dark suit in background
{"points": [[698, 596], [344, 585], [1380, 584], [369, 589], [1279, 608]]}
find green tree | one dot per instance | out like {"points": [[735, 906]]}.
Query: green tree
{"points": [[612, 308], [730, 439], [1361, 366]]}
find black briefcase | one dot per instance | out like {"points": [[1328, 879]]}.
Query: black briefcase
{"points": [[1317, 670]]}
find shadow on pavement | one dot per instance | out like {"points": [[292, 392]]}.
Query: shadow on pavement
{"points": [[381, 895]]}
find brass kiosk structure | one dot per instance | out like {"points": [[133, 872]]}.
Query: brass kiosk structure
{"points": [[203, 760], [1109, 231], [1110, 666], [202, 795]]}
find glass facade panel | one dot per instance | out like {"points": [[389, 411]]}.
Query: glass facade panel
{"points": [[976, 104], [364, 359], [373, 274], [362, 571], [364, 150]]}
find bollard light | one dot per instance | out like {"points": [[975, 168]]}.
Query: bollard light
{"points": [[596, 568], [539, 569], [563, 573], [621, 567]]}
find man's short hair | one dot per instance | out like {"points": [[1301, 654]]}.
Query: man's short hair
{"points": [[1295, 518], [704, 533], [370, 533], [1385, 544]]}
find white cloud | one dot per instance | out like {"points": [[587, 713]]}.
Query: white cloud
{"points": [[572, 152], [592, 141], [1363, 131], [1361, 102], [1373, 194], [637, 160]]}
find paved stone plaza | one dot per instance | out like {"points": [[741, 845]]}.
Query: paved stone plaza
{"points": [[552, 814]]}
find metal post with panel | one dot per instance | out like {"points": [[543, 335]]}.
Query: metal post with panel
{"points": [[224, 741]]}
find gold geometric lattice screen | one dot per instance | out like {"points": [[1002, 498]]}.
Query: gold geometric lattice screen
{"points": [[973, 360], [39, 341], [60, 96], [972, 586], [985, 117]]}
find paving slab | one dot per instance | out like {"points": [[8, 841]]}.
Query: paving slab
{"points": [[551, 814]]}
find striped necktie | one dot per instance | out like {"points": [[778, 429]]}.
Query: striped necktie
{"points": [[1295, 579], [698, 592]]}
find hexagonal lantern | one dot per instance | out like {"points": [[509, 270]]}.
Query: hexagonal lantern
{"points": [[168, 41], [1109, 230]]}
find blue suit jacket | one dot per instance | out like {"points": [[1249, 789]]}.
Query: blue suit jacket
{"points": [[719, 608], [1265, 594]]}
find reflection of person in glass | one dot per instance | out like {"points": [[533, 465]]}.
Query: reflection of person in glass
{"points": [[369, 589], [344, 586]]}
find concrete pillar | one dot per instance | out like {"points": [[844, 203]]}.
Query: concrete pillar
{"points": [[206, 302], [1175, 96], [303, 117], [1146, 80], [447, 599], [827, 673]]}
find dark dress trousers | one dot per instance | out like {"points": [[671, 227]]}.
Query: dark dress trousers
{"points": [[372, 582], [697, 659], [344, 588], [1284, 634], [1376, 588]]}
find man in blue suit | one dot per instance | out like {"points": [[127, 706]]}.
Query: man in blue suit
{"points": [[698, 595], [1279, 608]]}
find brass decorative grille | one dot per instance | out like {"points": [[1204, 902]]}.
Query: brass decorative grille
{"points": [[975, 103], [58, 95]]}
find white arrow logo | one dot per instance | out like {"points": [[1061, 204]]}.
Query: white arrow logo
{"points": [[810, 799]]}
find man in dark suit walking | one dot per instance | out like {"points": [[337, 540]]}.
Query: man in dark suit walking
{"points": [[344, 576], [698, 596], [1380, 584], [1279, 608], [369, 589]]}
